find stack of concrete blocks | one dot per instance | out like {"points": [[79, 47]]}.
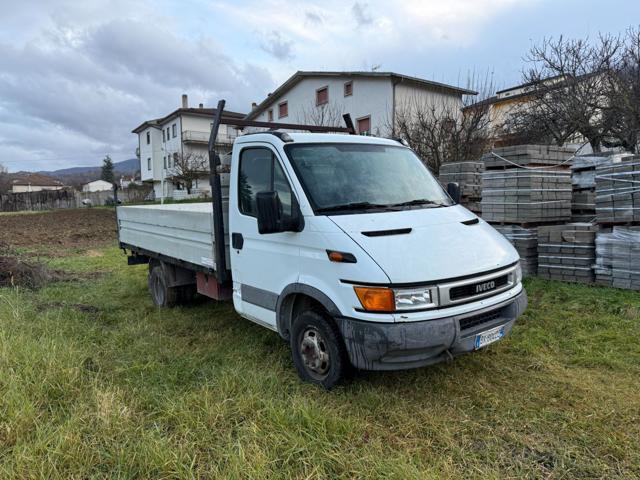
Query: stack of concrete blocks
{"points": [[469, 176], [527, 184], [618, 257], [525, 241], [528, 156], [618, 190], [583, 183], [526, 196], [567, 252]]}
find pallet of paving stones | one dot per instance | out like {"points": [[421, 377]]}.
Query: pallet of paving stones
{"points": [[618, 191], [528, 155], [567, 252], [467, 174], [526, 196], [525, 241], [618, 257], [471, 204]]}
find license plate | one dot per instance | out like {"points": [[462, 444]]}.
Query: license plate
{"points": [[485, 338]]}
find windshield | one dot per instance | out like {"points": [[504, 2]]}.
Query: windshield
{"points": [[343, 177]]}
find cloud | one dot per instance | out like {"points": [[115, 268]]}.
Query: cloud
{"points": [[361, 14], [313, 18], [277, 46], [76, 77], [70, 94]]}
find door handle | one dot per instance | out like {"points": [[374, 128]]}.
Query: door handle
{"points": [[237, 241]]}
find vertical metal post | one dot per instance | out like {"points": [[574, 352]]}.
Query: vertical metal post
{"points": [[115, 203], [219, 247], [349, 123]]}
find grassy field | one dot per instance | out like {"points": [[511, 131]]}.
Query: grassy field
{"points": [[96, 382]]}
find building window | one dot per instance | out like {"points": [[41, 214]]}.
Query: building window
{"points": [[169, 161], [348, 89], [322, 96], [164, 159], [148, 138], [173, 127], [364, 126], [168, 135], [270, 115], [149, 163], [164, 139], [283, 109]]}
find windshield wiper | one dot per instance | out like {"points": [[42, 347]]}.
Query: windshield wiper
{"points": [[419, 201], [353, 206]]}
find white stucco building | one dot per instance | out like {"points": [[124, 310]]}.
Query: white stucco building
{"points": [[373, 99], [180, 134], [97, 186], [23, 182]]}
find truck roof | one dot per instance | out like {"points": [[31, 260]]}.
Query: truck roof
{"points": [[316, 138]]}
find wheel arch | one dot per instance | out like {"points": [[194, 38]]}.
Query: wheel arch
{"points": [[296, 297]]}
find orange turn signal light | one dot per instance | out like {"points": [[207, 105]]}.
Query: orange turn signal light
{"points": [[341, 257], [376, 299]]}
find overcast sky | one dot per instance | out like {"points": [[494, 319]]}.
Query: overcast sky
{"points": [[77, 76]]}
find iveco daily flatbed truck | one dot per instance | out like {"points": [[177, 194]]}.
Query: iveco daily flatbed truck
{"points": [[344, 245]]}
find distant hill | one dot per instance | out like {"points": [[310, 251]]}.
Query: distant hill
{"points": [[76, 176], [125, 167]]}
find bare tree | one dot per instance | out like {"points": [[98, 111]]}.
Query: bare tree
{"points": [[566, 83], [443, 129], [188, 167], [622, 112], [327, 115]]}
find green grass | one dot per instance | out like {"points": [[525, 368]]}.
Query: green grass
{"points": [[96, 382]]}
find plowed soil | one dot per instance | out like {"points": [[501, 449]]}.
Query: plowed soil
{"points": [[59, 229]]}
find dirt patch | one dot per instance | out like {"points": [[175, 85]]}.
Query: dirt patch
{"points": [[18, 271], [59, 230]]}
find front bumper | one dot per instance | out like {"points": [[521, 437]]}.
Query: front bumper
{"points": [[402, 345]]}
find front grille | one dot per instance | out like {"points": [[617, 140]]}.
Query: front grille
{"points": [[475, 320], [463, 291]]}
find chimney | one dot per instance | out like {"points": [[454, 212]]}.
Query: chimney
{"points": [[253, 105], [185, 101], [200, 105]]}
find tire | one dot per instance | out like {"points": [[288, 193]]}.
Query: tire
{"points": [[317, 349], [161, 294]]}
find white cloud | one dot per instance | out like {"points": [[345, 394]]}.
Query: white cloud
{"points": [[76, 77]]}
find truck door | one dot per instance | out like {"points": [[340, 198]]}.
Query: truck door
{"points": [[262, 265]]}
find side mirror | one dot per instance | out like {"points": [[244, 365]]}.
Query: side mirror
{"points": [[453, 189], [271, 218]]}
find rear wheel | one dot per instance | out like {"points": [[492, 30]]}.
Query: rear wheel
{"points": [[161, 294], [317, 349]]}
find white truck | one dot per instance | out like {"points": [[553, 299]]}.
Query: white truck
{"points": [[344, 245]]}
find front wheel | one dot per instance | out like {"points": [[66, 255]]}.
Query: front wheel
{"points": [[317, 349]]}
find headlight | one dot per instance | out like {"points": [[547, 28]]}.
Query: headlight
{"points": [[382, 299], [517, 273], [414, 298]]}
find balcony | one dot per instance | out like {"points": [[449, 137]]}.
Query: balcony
{"points": [[194, 136]]}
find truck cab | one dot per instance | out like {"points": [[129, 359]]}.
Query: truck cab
{"points": [[350, 240], [346, 246]]}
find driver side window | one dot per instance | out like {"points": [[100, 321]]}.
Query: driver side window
{"points": [[260, 171]]}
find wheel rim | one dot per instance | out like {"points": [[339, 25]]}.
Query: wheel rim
{"points": [[314, 352]]}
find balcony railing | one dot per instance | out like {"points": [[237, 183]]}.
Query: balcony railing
{"points": [[194, 136]]}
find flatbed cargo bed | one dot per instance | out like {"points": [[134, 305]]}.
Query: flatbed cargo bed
{"points": [[182, 232]]}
